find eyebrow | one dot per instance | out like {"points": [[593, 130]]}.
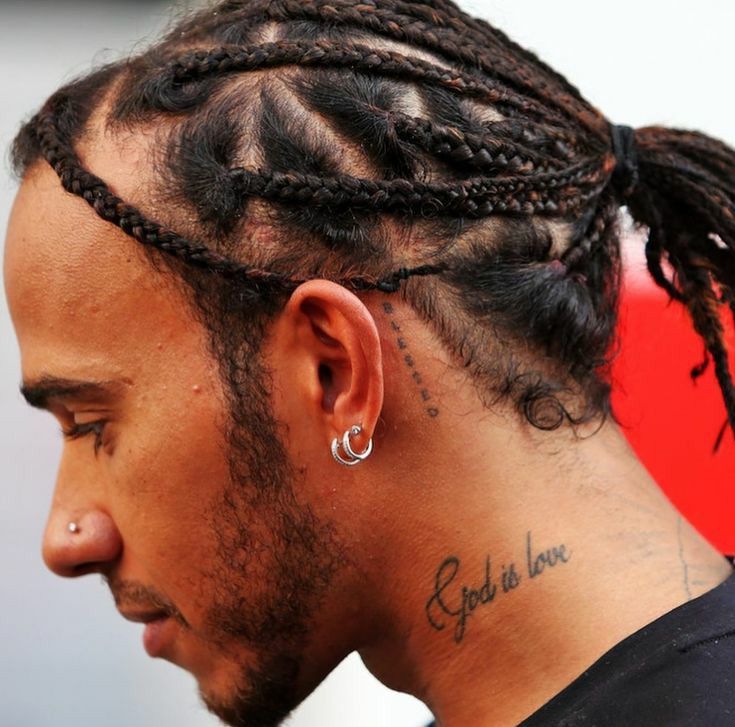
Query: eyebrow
{"points": [[41, 392]]}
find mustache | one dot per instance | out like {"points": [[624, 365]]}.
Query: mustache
{"points": [[131, 594]]}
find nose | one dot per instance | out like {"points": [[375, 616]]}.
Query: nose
{"points": [[78, 543]]}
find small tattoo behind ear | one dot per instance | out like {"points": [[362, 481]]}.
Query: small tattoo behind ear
{"points": [[409, 361]]}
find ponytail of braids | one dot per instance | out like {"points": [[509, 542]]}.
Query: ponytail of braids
{"points": [[684, 193]]}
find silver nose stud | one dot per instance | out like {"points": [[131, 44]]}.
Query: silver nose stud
{"points": [[73, 528]]}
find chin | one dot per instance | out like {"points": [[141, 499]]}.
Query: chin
{"points": [[254, 696]]}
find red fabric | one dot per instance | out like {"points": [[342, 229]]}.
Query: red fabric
{"points": [[671, 421]]}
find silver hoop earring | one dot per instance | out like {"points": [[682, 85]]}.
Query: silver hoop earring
{"points": [[354, 457], [347, 445]]}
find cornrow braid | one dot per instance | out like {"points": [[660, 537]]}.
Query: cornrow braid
{"points": [[220, 61], [479, 30], [482, 29], [473, 199], [486, 153]]}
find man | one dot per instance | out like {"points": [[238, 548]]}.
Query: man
{"points": [[330, 361]]}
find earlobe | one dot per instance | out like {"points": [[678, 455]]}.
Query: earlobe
{"points": [[338, 336]]}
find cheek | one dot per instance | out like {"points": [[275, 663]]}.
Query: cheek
{"points": [[166, 477]]}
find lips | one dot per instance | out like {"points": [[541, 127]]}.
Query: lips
{"points": [[142, 617], [158, 635], [159, 632]]}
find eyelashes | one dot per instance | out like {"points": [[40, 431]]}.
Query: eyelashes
{"points": [[77, 431]]}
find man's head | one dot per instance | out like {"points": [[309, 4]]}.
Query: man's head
{"points": [[308, 216], [187, 515]]}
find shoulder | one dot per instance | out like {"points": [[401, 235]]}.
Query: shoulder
{"points": [[678, 670]]}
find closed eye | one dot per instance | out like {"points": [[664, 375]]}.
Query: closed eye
{"points": [[77, 431]]}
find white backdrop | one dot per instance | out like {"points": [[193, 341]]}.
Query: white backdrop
{"points": [[66, 657]]}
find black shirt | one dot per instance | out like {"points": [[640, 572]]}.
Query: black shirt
{"points": [[677, 670]]}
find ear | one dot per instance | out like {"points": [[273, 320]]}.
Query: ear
{"points": [[333, 349]]}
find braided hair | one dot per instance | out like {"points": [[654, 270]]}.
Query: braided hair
{"points": [[405, 147]]}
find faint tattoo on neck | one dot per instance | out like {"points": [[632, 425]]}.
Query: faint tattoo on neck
{"points": [[452, 603], [427, 400], [684, 563]]}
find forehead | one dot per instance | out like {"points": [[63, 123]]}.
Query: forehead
{"points": [[81, 292], [56, 241]]}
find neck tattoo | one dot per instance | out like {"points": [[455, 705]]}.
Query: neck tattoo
{"points": [[452, 603]]}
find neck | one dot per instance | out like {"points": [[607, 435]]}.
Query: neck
{"points": [[511, 573]]}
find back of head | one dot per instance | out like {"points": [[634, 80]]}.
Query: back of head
{"points": [[407, 148]]}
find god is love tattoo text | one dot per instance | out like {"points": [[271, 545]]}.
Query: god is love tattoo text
{"points": [[455, 596]]}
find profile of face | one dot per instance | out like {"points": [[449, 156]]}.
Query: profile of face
{"points": [[194, 523]]}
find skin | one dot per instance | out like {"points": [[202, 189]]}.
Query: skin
{"points": [[464, 483]]}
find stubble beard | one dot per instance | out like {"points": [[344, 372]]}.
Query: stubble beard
{"points": [[264, 533]]}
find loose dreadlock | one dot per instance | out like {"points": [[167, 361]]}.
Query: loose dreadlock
{"points": [[405, 146]]}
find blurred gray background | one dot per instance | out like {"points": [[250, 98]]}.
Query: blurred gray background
{"points": [[66, 657]]}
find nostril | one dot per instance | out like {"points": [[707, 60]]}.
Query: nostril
{"points": [[84, 569]]}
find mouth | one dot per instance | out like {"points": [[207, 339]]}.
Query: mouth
{"points": [[160, 629]]}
